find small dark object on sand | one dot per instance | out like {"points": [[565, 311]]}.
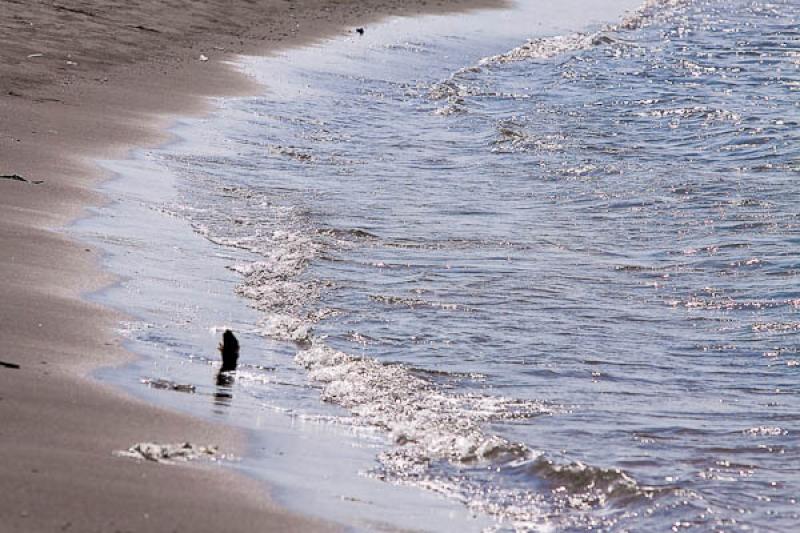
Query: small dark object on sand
{"points": [[9, 365], [17, 177], [143, 28], [360, 31], [229, 348], [167, 453], [165, 384]]}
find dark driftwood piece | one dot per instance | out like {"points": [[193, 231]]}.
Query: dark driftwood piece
{"points": [[17, 177], [229, 348]]}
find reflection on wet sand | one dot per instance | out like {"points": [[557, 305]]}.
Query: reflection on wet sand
{"points": [[224, 393], [229, 349]]}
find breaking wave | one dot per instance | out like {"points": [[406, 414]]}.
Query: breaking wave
{"points": [[460, 84], [429, 426]]}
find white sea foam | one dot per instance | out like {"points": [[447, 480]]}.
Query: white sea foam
{"points": [[766, 431], [462, 84], [285, 327], [428, 424], [431, 423]]}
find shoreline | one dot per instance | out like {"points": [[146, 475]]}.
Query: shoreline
{"points": [[60, 426], [168, 340]]}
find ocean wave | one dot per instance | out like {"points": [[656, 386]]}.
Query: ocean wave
{"points": [[584, 485], [512, 138], [462, 84], [429, 424], [435, 431], [549, 47], [413, 303], [292, 152], [766, 431]]}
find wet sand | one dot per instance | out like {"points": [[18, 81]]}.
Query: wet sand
{"points": [[81, 81]]}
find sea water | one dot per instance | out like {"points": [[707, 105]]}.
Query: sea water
{"points": [[493, 274]]}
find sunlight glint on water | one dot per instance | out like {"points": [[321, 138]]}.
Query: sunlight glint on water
{"points": [[564, 280]]}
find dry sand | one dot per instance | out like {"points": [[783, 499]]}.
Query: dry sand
{"points": [[88, 79]]}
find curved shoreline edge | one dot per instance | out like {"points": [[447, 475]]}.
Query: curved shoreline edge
{"points": [[79, 84]]}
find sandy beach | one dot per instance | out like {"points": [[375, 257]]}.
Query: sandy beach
{"points": [[79, 82]]}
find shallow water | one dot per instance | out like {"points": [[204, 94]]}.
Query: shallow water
{"points": [[554, 282]]}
